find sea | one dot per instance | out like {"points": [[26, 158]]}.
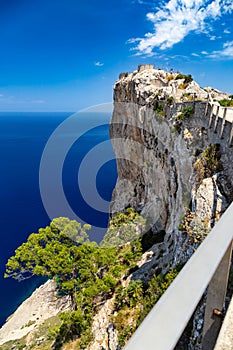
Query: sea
{"points": [[31, 144]]}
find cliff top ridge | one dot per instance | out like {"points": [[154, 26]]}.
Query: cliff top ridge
{"points": [[150, 82]]}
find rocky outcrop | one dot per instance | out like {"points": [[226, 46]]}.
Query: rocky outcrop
{"points": [[155, 158], [41, 305], [104, 332]]}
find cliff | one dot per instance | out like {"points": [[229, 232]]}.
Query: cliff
{"points": [[172, 142], [160, 130]]}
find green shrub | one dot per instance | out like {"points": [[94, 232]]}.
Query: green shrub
{"points": [[195, 227], [209, 163], [226, 103], [182, 86], [188, 96], [135, 301], [187, 78], [124, 227], [170, 100], [187, 112], [159, 109]]}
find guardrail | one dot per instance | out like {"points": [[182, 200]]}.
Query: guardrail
{"points": [[208, 266], [225, 114]]}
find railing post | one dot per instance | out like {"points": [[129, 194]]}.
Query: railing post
{"points": [[211, 115], [225, 337], [216, 119], [207, 105], [223, 122], [215, 302], [231, 136]]}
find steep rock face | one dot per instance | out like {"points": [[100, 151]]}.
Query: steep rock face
{"points": [[156, 147], [104, 333]]}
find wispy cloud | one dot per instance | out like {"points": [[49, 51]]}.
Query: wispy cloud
{"points": [[99, 64], [226, 52], [174, 20]]}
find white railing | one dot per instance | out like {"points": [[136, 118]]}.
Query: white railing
{"points": [[222, 110], [209, 265], [225, 114]]}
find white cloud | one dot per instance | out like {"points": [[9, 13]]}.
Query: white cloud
{"points": [[99, 64], [226, 31], [174, 20], [226, 52]]}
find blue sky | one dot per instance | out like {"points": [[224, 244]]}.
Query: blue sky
{"points": [[64, 55]]}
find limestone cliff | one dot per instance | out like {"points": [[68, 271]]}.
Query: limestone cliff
{"points": [[174, 162], [160, 128]]}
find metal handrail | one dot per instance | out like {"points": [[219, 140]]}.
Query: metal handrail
{"points": [[166, 322]]}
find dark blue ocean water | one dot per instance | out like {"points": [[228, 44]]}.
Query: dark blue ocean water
{"points": [[23, 137]]}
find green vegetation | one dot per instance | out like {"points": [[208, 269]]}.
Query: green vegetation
{"points": [[90, 274], [124, 218], [187, 78], [170, 77], [187, 112], [30, 323], [226, 103], [188, 96], [41, 339], [209, 163], [170, 100], [195, 227], [182, 86], [18, 344], [159, 109], [54, 252], [134, 302], [81, 269], [124, 227]]}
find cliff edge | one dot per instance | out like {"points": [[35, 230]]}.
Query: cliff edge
{"points": [[170, 156]]}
